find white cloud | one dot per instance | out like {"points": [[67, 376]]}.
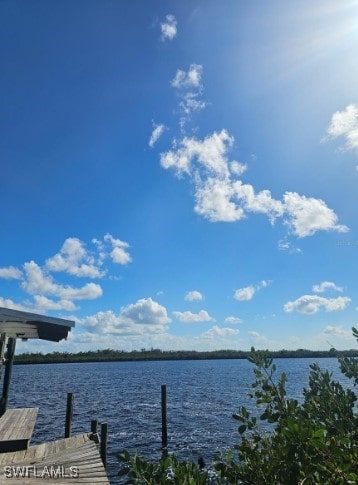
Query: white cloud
{"points": [[307, 215], [338, 331], [220, 196], [145, 317], [263, 284], [189, 317], [7, 303], [223, 199], [111, 324], [169, 28], [209, 153], [345, 123], [157, 132], [214, 201], [244, 294], [232, 320], [119, 253], [310, 304], [43, 304], [259, 339], [10, 273], [193, 296], [146, 311], [74, 259], [189, 79], [190, 103], [216, 331], [261, 202], [189, 88], [247, 293], [37, 282], [285, 245], [237, 168], [326, 285]]}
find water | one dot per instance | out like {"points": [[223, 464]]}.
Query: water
{"points": [[201, 397]]}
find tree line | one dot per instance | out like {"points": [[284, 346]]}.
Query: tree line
{"points": [[110, 355]]}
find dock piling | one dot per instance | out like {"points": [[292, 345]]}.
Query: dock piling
{"points": [[164, 420], [10, 352], [104, 439], [94, 426], [69, 414]]}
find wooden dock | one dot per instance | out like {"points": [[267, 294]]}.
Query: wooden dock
{"points": [[16, 426], [75, 459], [62, 462]]}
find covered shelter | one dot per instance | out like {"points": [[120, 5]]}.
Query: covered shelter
{"points": [[16, 324]]}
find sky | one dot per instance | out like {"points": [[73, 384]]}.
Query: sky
{"points": [[181, 174]]}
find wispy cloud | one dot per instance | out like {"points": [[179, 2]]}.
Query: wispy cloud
{"points": [[189, 87], [233, 320], [286, 245], [259, 339], [326, 285], [157, 132], [188, 79], [345, 124], [220, 332], [169, 28], [8, 303], [338, 331], [247, 293]]}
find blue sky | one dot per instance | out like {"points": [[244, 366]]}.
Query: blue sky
{"points": [[181, 174]]}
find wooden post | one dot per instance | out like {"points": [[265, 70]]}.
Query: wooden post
{"points": [[94, 426], [10, 352], [69, 414], [104, 439], [164, 420], [2, 350]]}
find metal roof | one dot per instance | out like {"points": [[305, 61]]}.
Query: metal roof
{"points": [[26, 325]]}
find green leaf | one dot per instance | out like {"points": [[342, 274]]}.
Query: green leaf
{"points": [[320, 433]]}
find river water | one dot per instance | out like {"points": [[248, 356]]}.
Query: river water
{"points": [[201, 397]]}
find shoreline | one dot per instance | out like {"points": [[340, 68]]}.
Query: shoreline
{"points": [[109, 355]]}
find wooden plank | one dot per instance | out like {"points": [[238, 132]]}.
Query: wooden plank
{"points": [[18, 423], [16, 427], [78, 451]]}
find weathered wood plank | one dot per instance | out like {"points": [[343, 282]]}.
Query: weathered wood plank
{"points": [[59, 456], [16, 427]]}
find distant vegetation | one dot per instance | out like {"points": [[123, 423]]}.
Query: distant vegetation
{"points": [[109, 355]]}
